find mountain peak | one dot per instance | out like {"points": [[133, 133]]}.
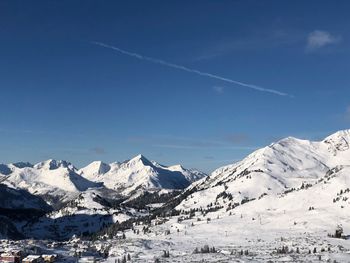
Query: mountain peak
{"points": [[339, 134], [289, 140], [274, 170], [22, 164], [339, 141], [139, 172], [140, 159], [96, 168], [52, 164], [176, 167]]}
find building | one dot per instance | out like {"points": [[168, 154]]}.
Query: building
{"points": [[49, 258], [32, 259], [9, 258], [87, 260]]}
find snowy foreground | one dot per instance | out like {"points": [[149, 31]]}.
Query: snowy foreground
{"points": [[261, 247], [301, 231]]}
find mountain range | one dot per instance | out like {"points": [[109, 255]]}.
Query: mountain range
{"points": [[139, 173], [291, 174], [60, 181]]}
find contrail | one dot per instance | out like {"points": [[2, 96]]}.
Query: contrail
{"points": [[205, 74]]}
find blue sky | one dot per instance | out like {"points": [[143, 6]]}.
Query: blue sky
{"points": [[64, 97]]}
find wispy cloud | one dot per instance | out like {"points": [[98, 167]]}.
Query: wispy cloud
{"points": [[178, 142], [218, 89], [136, 139], [219, 161], [237, 138], [20, 131], [218, 146], [190, 70], [98, 150], [318, 39], [259, 40]]}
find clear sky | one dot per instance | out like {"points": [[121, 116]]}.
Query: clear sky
{"points": [[64, 97]]}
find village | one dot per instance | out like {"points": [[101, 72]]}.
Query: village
{"points": [[34, 251]]}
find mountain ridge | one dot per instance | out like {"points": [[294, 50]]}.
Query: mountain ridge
{"points": [[286, 164], [141, 173], [60, 179]]}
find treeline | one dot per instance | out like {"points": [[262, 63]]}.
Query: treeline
{"points": [[147, 198], [22, 213], [167, 210]]}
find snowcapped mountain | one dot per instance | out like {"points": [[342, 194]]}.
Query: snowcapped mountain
{"points": [[138, 174], [288, 164], [53, 165], [339, 143], [95, 169], [59, 181], [191, 175], [53, 180], [301, 219], [88, 212]]}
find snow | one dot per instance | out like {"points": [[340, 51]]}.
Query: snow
{"points": [[259, 226], [139, 173], [291, 193], [87, 212], [58, 179], [279, 167], [95, 169]]}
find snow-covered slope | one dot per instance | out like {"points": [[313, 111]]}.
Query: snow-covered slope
{"points": [[88, 212], [53, 180], [95, 170], [292, 193], [138, 174], [301, 220], [191, 175], [282, 166]]}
